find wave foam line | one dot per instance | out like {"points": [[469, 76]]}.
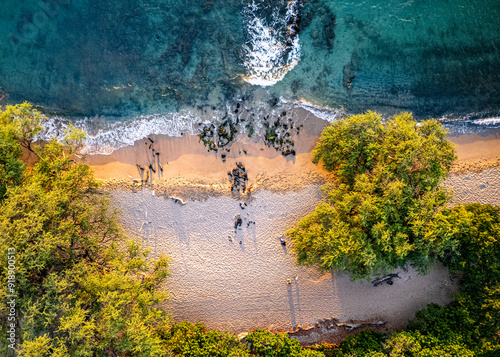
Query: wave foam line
{"points": [[112, 136], [324, 113], [104, 137], [487, 121]]}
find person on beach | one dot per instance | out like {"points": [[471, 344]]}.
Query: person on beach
{"points": [[288, 281], [282, 241]]}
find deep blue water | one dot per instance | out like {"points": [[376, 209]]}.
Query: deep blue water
{"points": [[174, 59]]}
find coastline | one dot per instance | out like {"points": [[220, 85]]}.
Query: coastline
{"points": [[191, 171], [239, 287]]}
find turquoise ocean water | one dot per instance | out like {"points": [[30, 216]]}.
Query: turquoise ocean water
{"points": [[123, 69]]}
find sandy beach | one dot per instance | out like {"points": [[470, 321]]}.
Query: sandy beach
{"points": [[239, 284], [236, 280], [191, 170]]}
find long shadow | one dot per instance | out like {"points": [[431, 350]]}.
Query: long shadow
{"points": [[182, 235], [283, 246], [291, 305], [335, 291], [250, 229], [297, 292]]}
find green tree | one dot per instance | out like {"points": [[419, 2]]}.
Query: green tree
{"points": [[11, 166], [478, 256], [473, 318], [82, 289], [25, 122], [14, 121], [386, 194], [366, 341], [193, 340], [414, 344], [266, 344]]}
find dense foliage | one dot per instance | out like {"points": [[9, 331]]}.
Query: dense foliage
{"points": [[384, 208], [18, 124], [470, 324], [264, 343], [81, 288], [193, 340], [474, 316]]}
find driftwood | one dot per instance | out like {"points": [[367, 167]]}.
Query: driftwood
{"points": [[388, 278], [351, 327], [178, 200], [143, 223], [135, 180]]}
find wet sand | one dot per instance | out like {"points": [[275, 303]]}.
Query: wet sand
{"points": [[190, 170]]}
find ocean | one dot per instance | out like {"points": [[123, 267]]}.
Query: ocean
{"points": [[122, 70]]}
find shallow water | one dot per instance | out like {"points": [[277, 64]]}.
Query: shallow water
{"points": [[182, 61]]}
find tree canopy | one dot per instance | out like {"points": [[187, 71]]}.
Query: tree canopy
{"points": [[24, 123], [82, 288], [384, 208]]}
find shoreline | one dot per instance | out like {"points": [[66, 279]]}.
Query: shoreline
{"points": [[191, 171]]}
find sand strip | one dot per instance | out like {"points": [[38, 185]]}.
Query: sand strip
{"points": [[242, 286], [191, 171]]}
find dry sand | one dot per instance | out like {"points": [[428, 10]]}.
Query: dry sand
{"points": [[240, 287], [481, 187]]}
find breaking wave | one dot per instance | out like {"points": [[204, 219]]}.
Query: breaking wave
{"points": [[272, 48], [324, 113], [104, 137]]}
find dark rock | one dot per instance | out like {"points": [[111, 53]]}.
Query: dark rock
{"points": [[238, 222]]}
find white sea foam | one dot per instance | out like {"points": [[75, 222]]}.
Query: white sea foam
{"points": [[112, 136], [104, 137], [267, 55], [487, 121], [324, 113]]}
